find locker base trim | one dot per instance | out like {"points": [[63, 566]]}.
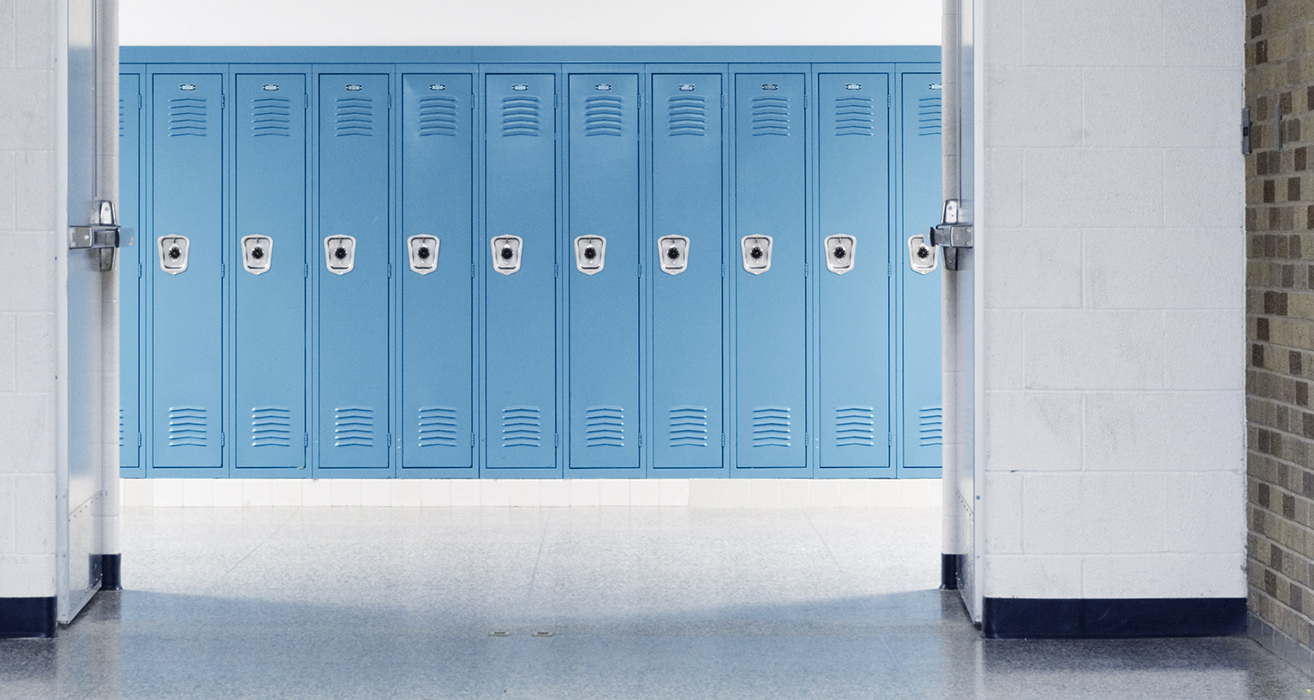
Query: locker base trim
{"points": [[27, 617], [111, 567], [949, 568], [1112, 618]]}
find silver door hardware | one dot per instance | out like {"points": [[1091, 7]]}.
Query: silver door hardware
{"points": [[423, 252], [757, 253], [102, 235], [673, 252], [257, 254], [922, 257], [953, 233], [590, 254], [506, 254], [173, 253], [340, 254], [839, 253]]}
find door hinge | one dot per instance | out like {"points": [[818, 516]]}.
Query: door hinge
{"points": [[556, 270], [305, 439], [223, 439], [305, 270], [223, 101], [641, 269], [722, 270], [223, 270], [807, 440], [889, 439], [556, 440], [389, 100], [389, 444], [723, 102], [722, 439], [138, 439], [389, 270], [138, 270], [640, 439], [141, 102], [472, 270], [472, 439], [305, 101], [1245, 131], [889, 101]]}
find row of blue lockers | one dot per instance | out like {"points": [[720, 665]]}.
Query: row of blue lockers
{"points": [[392, 264]]}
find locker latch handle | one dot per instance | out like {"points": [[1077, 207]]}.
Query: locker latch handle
{"points": [[953, 233], [102, 235]]}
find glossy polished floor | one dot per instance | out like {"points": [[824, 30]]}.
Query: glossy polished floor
{"points": [[575, 603]]}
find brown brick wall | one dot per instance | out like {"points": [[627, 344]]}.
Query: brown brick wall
{"points": [[1280, 314]]}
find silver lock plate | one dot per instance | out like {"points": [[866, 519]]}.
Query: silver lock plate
{"points": [[839, 253], [423, 251], [590, 254], [173, 253], [506, 254], [673, 252], [340, 254], [922, 257], [757, 253], [257, 254]]}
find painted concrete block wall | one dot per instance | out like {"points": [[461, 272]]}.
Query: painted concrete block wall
{"points": [[1280, 291], [27, 298], [1112, 249]]}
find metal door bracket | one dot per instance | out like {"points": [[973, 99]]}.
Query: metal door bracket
{"points": [[953, 234], [101, 236]]}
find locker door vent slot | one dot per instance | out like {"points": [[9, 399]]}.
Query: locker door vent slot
{"points": [[686, 115], [506, 254], [354, 116], [590, 254], [188, 426], [673, 254], [604, 115], [257, 254], [422, 253], [854, 116], [855, 426], [928, 116], [271, 426], [520, 115], [437, 426], [340, 254], [173, 253], [770, 116], [353, 426], [840, 252], [438, 115], [686, 426], [187, 116], [930, 426], [757, 253], [771, 426], [271, 116], [604, 426], [521, 426]]}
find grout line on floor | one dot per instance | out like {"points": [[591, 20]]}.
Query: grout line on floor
{"points": [[293, 512]]}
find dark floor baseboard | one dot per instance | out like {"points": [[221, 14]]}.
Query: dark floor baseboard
{"points": [[949, 571], [111, 578], [27, 617], [1016, 618]]}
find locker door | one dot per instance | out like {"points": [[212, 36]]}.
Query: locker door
{"points": [[603, 182], [187, 308], [269, 323], [520, 307], [437, 199], [687, 305], [854, 210], [923, 421], [130, 271], [353, 306], [771, 325]]}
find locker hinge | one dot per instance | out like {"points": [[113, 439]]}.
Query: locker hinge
{"points": [[805, 269], [223, 439], [389, 270], [722, 270], [305, 269], [472, 439], [305, 101], [554, 102], [889, 101], [141, 101], [555, 270], [223, 101], [389, 100], [472, 270], [640, 439], [807, 440], [640, 100], [722, 439], [889, 269], [889, 438], [556, 440], [305, 439], [139, 270], [389, 440], [223, 271], [723, 102], [138, 439], [641, 269]]}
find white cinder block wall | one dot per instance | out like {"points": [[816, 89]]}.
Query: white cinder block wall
{"points": [[27, 299], [1112, 243]]}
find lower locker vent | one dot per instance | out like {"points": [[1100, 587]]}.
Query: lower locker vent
{"points": [[353, 426], [437, 426], [686, 426], [930, 426], [855, 426], [771, 426], [271, 426], [187, 426], [604, 426], [522, 426]]}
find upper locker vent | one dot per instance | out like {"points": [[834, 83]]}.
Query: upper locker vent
{"points": [[686, 115], [854, 116], [271, 116], [928, 116], [604, 115], [769, 116], [354, 116], [520, 115], [187, 116], [438, 115]]}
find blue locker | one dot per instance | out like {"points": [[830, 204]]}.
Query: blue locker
{"points": [[688, 301], [770, 300], [853, 210], [187, 170], [603, 277], [435, 261], [923, 415], [130, 274], [520, 300], [352, 260], [268, 259]]}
